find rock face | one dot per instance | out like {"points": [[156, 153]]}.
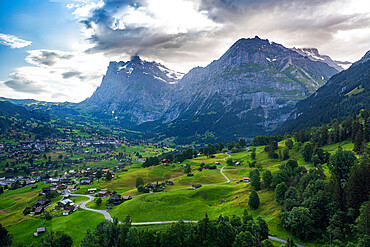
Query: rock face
{"points": [[134, 92], [248, 91]]}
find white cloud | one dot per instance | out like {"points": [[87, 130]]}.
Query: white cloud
{"points": [[57, 76], [13, 41]]}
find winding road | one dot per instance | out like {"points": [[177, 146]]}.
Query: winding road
{"points": [[222, 169], [109, 217]]}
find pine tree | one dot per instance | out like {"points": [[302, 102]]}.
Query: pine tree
{"points": [[254, 177], [358, 142], [267, 178], [254, 200]]}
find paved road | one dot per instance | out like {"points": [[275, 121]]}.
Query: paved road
{"points": [[227, 179], [222, 169], [283, 241], [91, 198]]}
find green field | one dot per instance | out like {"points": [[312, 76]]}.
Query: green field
{"points": [[176, 202]]}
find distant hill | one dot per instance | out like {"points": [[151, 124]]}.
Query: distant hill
{"points": [[345, 94]]}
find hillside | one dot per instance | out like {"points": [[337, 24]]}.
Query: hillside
{"points": [[345, 94]]}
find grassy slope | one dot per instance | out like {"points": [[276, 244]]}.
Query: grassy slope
{"points": [[176, 203], [75, 225]]}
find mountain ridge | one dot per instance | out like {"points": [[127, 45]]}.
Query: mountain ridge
{"points": [[253, 85]]}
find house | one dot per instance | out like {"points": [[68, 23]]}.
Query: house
{"points": [[34, 187], [86, 181], [67, 212], [39, 210], [91, 191], [196, 186], [103, 193], [150, 186], [126, 198], [246, 179], [66, 203], [39, 231], [115, 199], [41, 203], [62, 186], [64, 181], [217, 163], [46, 190]]}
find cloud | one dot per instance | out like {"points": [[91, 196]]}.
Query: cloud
{"points": [[46, 57], [20, 83], [13, 41], [180, 31], [70, 74], [57, 75]]}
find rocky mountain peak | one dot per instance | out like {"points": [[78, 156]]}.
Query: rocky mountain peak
{"points": [[314, 55]]}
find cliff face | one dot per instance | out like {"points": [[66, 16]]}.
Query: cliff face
{"points": [[248, 91], [135, 91]]}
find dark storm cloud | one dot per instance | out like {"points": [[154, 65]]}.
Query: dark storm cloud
{"points": [[70, 74], [20, 84], [299, 22], [46, 57]]}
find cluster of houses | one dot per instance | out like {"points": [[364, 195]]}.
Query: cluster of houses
{"points": [[39, 206]]}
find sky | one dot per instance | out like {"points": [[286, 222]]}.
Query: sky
{"points": [[59, 50]]}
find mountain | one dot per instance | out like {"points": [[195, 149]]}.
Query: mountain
{"points": [[345, 94], [249, 90], [314, 55], [134, 92]]}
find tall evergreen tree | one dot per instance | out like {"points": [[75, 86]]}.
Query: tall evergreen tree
{"points": [[254, 200], [254, 178]]}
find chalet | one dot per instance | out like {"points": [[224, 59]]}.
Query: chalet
{"points": [[39, 210], [103, 193], [126, 198], [41, 203], [115, 199], [67, 212], [64, 181], [46, 190], [196, 186], [62, 186], [72, 188], [86, 181], [150, 186], [246, 179], [66, 203], [39, 231], [91, 191]]}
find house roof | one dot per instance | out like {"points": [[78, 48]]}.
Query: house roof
{"points": [[39, 210], [126, 197], [41, 229], [115, 197], [66, 201], [246, 177]]}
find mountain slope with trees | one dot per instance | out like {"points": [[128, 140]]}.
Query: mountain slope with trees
{"points": [[345, 94]]}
